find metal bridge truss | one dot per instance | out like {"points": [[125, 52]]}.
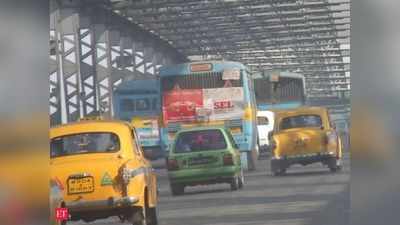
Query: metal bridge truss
{"points": [[92, 50], [305, 36]]}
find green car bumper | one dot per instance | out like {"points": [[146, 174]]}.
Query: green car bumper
{"points": [[192, 177]]}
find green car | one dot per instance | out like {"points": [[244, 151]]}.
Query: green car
{"points": [[204, 156]]}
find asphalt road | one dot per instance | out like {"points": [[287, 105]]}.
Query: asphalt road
{"points": [[304, 196]]}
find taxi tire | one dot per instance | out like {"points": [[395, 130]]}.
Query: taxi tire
{"points": [[333, 165], [138, 217], [279, 172], [277, 168], [147, 216], [177, 189], [152, 218]]}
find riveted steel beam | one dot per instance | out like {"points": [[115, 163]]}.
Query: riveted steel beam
{"points": [[92, 50]]}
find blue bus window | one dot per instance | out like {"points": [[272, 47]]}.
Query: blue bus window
{"points": [[143, 104], [127, 105]]}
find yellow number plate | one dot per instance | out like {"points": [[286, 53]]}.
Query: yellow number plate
{"points": [[80, 185], [236, 130]]}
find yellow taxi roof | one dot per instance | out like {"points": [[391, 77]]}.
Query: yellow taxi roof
{"points": [[301, 110], [114, 126]]}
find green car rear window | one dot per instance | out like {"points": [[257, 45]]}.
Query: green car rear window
{"points": [[202, 140]]}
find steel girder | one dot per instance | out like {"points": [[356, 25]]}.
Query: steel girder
{"points": [[303, 36], [92, 51]]}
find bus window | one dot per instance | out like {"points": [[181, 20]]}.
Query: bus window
{"points": [[154, 104], [127, 105], [142, 104]]}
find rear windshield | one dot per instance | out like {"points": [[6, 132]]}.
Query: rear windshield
{"points": [[287, 89], [197, 81], [100, 142], [301, 121], [204, 140]]}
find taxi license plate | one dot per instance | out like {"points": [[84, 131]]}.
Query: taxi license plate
{"points": [[236, 130], [80, 185]]}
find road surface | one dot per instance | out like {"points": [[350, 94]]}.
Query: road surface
{"points": [[304, 196]]}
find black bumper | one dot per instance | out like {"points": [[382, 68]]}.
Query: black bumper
{"points": [[301, 159]]}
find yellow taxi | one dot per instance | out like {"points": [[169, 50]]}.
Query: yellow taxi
{"points": [[102, 172], [304, 136]]}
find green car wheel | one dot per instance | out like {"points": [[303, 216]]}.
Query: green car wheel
{"points": [[204, 156], [177, 189], [241, 179], [235, 183]]}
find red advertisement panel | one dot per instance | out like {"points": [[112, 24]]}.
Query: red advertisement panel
{"points": [[180, 105]]}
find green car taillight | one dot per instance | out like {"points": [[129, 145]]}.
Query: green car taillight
{"points": [[228, 160], [172, 164]]}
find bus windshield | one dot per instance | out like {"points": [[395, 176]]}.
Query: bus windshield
{"points": [[198, 81], [287, 89]]}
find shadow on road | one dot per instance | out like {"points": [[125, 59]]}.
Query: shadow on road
{"points": [[208, 191], [306, 173]]}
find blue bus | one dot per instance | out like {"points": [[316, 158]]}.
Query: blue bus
{"points": [[279, 90], [275, 90], [138, 102], [210, 93]]}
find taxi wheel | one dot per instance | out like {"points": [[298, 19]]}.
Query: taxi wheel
{"points": [[147, 216], [333, 169], [241, 179], [152, 216], [139, 216], [235, 183], [279, 172], [177, 189], [334, 165]]}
